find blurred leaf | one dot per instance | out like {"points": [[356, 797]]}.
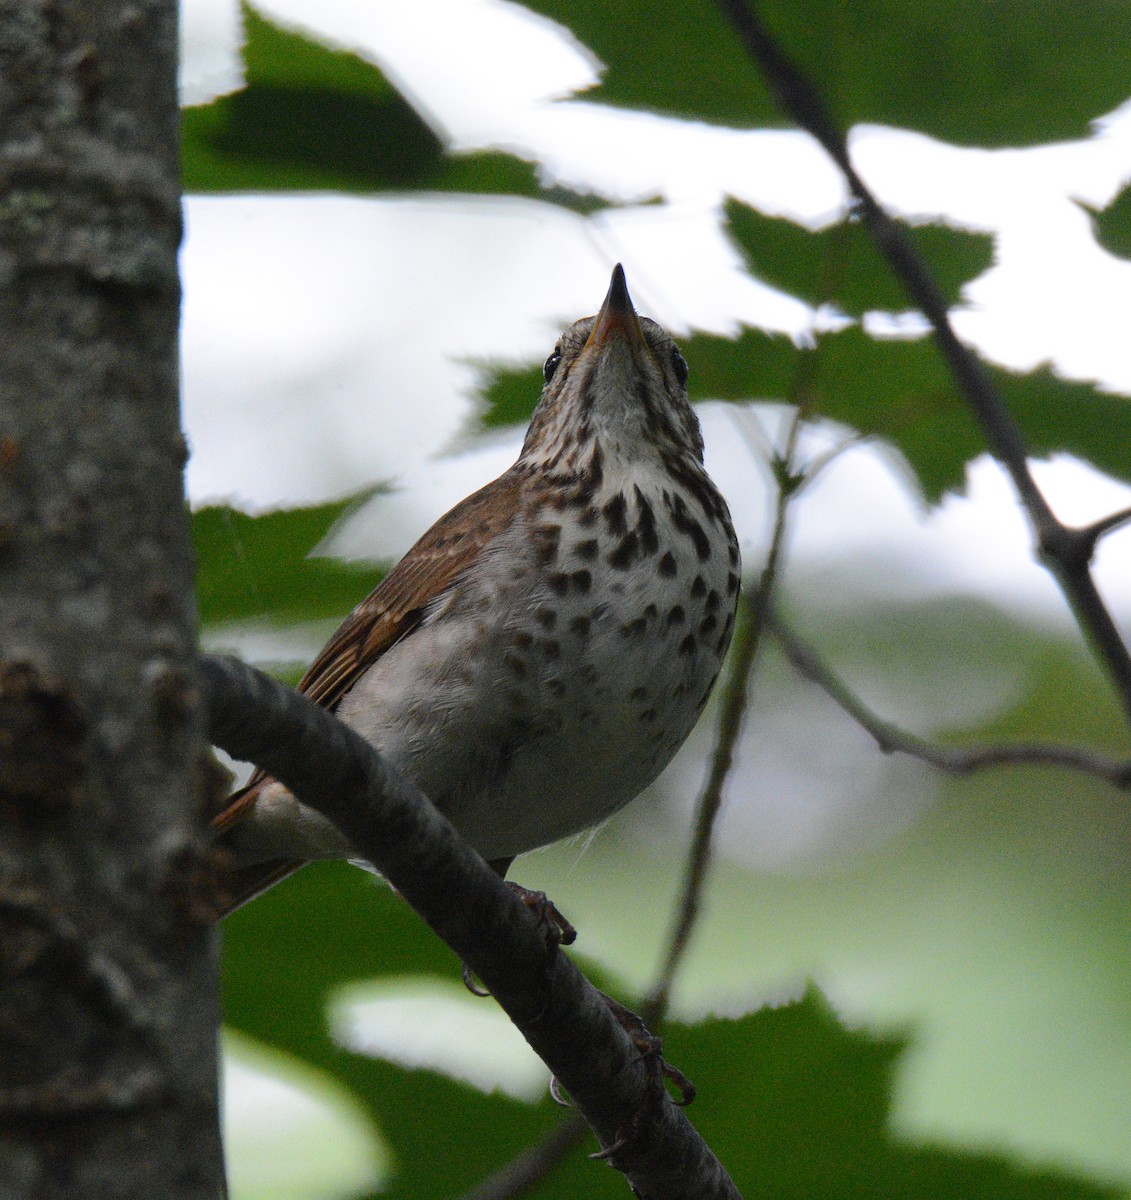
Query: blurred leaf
{"points": [[329, 925], [314, 118], [509, 395], [1112, 225], [813, 1100], [901, 391], [967, 71], [292, 1132], [842, 266], [260, 566], [794, 1104], [1057, 415]]}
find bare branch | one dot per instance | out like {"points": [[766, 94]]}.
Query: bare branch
{"points": [[1091, 534], [1064, 551], [563, 1017], [956, 760]]}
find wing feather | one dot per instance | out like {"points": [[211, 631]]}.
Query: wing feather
{"points": [[396, 607]]}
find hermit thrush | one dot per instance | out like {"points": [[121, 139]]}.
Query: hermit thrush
{"points": [[538, 657]]}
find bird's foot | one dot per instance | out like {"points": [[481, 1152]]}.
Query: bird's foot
{"points": [[556, 929], [659, 1070]]}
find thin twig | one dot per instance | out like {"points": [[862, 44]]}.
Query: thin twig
{"points": [[956, 760], [1103, 527], [524, 1172], [1064, 551], [565, 1019]]}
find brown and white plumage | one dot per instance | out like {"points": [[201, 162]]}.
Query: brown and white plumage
{"points": [[536, 659]]}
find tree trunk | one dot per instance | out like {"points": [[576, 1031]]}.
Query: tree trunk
{"points": [[108, 1002]]}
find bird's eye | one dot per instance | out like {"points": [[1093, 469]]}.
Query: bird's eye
{"points": [[679, 366], [551, 365]]}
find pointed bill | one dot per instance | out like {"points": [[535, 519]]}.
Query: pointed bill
{"points": [[617, 316]]}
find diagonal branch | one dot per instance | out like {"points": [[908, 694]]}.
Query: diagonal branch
{"points": [[563, 1017], [956, 760], [1064, 551]]}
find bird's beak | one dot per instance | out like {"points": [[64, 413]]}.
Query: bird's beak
{"points": [[617, 317]]}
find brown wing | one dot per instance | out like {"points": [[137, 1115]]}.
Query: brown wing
{"points": [[396, 607]]}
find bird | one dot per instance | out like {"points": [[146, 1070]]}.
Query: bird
{"points": [[537, 658]]}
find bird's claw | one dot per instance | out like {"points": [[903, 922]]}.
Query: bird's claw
{"points": [[555, 928], [558, 930], [659, 1070]]}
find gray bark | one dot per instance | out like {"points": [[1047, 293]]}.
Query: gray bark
{"points": [[108, 1003]]}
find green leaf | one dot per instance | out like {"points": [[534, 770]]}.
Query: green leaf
{"points": [[902, 391], [313, 118], [1112, 225], [797, 1106], [509, 395], [841, 265], [968, 71], [260, 566]]}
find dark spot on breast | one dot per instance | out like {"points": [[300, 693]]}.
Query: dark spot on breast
{"points": [[523, 640], [635, 628], [582, 581], [547, 538], [580, 626], [638, 694], [558, 583], [588, 518], [699, 587], [515, 665], [687, 646], [667, 565], [732, 584], [713, 600], [614, 514], [556, 688], [594, 473], [587, 550], [552, 649], [646, 525], [546, 617], [676, 616], [651, 612], [624, 552], [688, 525], [649, 715], [732, 552], [708, 625]]}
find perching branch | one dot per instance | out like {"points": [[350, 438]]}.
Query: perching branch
{"points": [[1064, 550], [564, 1018], [956, 760]]}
